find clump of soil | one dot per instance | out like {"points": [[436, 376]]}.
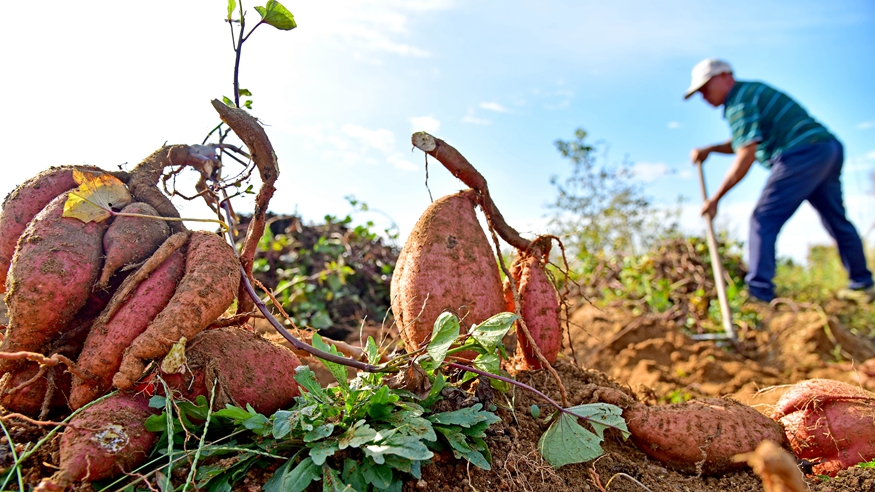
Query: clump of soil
{"points": [[662, 364]]}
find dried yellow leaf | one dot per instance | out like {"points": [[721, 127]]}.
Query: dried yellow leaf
{"points": [[96, 196]]}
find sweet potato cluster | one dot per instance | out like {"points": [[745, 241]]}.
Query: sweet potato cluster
{"points": [[108, 297]]}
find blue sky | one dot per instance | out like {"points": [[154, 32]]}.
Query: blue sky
{"points": [[108, 83]]}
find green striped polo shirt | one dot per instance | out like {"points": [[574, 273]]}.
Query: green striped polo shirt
{"points": [[758, 113]]}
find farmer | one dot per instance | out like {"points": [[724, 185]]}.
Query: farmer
{"points": [[805, 161]]}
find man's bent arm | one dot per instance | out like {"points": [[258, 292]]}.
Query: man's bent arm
{"points": [[722, 148], [744, 158], [699, 155]]}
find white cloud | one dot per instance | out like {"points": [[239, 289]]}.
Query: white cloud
{"points": [[368, 27], [650, 171], [685, 174], [870, 155], [400, 162], [425, 124], [470, 118], [865, 125], [380, 139], [674, 125], [494, 106]]}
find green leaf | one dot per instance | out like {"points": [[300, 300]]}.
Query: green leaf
{"points": [[247, 104], [283, 423], [337, 370], [535, 411], [490, 332], [445, 332], [319, 432], [602, 416], [360, 433], [244, 92], [307, 379], [567, 442], [465, 417], [232, 4], [275, 14], [396, 486], [157, 402], [257, 423], [463, 449], [435, 394], [490, 363], [236, 414], [294, 480], [413, 467], [322, 450], [156, 423], [405, 446], [372, 351], [331, 481], [228, 102], [378, 475], [382, 403], [352, 474], [411, 424]]}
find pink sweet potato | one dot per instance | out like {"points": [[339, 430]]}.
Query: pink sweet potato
{"points": [[31, 398], [130, 240], [22, 205], [54, 268], [445, 265], [109, 337], [247, 368], [830, 423], [25, 391], [539, 307], [106, 440], [698, 436], [207, 289]]}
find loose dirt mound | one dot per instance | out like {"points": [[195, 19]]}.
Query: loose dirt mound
{"points": [[662, 364]]}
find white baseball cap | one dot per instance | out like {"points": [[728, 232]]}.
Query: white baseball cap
{"points": [[703, 71]]}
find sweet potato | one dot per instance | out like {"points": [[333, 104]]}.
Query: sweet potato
{"points": [[22, 205], [111, 335], [829, 422], [207, 289], [698, 436], [54, 268], [247, 369], [130, 240], [445, 265], [26, 391], [106, 440], [30, 399], [539, 307]]}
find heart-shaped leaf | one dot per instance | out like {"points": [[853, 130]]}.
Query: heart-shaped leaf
{"points": [[275, 14]]}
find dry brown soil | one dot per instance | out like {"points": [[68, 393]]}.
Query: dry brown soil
{"points": [[652, 359]]}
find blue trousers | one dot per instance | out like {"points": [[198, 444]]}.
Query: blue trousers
{"points": [[808, 172]]}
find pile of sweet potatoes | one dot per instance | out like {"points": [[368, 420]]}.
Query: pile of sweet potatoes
{"points": [[93, 303]]}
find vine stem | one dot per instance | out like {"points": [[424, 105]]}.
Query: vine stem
{"points": [[516, 383], [296, 343], [222, 224]]}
